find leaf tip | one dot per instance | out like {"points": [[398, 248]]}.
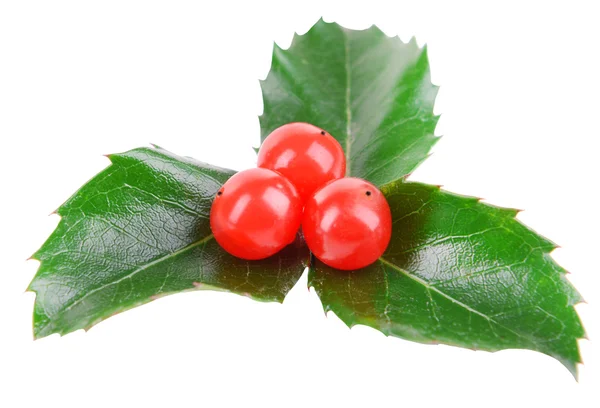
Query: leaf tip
{"points": [[36, 334], [573, 369], [112, 156], [320, 22]]}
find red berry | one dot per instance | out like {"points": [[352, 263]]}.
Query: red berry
{"points": [[307, 155], [255, 214], [347, 224]]}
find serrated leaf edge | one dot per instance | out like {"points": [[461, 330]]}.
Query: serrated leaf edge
{"points": [[39, 332], [512, 213]]}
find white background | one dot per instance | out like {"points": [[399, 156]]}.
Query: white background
{"points": [[519, 103]]}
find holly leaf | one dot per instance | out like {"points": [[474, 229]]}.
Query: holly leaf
{"points": [[462, 273], [373, 93], [140, 230], [457, 271]]}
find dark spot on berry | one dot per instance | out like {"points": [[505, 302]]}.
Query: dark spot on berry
{"points": [[323, 132], [368, 193], [219, 193]]}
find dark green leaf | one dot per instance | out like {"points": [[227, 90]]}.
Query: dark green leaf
{"points": [[459, 272], [140, 230], [372, 92]]}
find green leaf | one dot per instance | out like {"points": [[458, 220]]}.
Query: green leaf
{"points": [[140, 230], [373, 93], [459, 272]]}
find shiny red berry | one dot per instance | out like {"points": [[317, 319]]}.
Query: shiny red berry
{"points": [[307, 155], [347, 223], [255, 214]]}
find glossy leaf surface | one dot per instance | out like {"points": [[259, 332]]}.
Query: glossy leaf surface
{"points": [[140, 230], [373, 93], [459, 272]]}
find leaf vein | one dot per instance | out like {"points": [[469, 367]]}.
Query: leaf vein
{"points": [[456, 301], [138, 270], [348, 104]]}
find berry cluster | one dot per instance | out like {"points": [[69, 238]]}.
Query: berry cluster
{"points": [[300, 181]]}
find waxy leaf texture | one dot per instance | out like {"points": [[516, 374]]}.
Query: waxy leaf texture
{"points": [[373, 93], [457, 271], [140, 230]]}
